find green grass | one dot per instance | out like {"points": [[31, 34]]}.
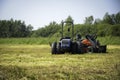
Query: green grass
{"points": [[41, 40], [30, 41], [35, 62], [109, 40]]}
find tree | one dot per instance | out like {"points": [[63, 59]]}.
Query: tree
{"points": [[11, 28], [97, 21], [69, 19], [29, 30], [48, 30], [117, 19], [107, 19], [115, 30], [103, 29], [89, 20]]}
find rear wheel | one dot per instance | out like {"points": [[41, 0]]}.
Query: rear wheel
{"points": [[74, 48], [102, 49], [54, 48]]}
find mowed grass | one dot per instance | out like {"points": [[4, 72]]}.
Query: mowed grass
{"points": [[35, 62]]}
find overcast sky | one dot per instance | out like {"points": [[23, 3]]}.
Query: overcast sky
{"points": [[39, 13]]}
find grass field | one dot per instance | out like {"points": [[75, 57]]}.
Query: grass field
{"points": [[109, 40], [35, 62]]}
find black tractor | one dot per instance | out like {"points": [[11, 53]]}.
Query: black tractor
{"points": [[77, 46]]}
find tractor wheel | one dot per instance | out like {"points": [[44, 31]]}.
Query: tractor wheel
{"points": [[59, 50], [78, 47], [74, 47], [102, 49], [54, 48], [95, 50], [90, 49]]}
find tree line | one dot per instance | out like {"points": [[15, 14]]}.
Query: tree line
{"points": [[109, 25], [14, 28]]}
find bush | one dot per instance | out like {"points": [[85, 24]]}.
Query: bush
{"points": [[115, 30], [103, 30]]}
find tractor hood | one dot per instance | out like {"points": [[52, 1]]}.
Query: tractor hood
{"points": [[65, 43]]}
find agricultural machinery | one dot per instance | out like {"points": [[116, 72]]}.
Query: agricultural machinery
{"points": [[78, 45]]}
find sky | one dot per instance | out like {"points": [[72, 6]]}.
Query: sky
{"points": [[39, 13]]}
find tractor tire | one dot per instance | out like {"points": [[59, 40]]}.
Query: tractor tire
{"points": [[102, 49], [95, 50], [90, 49], [74, 48], [54, 48], [59, 50], [78, 47]]}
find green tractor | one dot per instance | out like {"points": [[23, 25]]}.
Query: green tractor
{"points": [[79, 46]]}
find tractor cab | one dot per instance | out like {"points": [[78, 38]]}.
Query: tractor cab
{"points": [[65, 43]]}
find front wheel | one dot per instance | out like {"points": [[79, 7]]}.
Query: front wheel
{"points": [[54, 48]]}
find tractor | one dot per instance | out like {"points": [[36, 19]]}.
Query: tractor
{"points": [[78, 46]]}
